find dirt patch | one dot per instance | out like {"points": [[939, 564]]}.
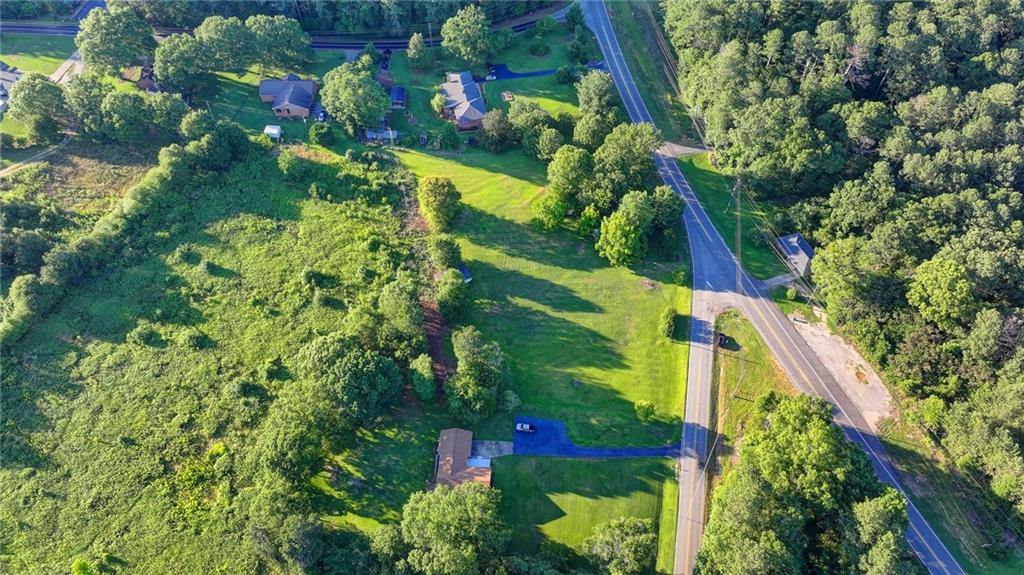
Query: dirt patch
{"points": [[857, 378], [443, 365], [648, 284]]}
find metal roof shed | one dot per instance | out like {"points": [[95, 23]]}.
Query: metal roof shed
{"points": [[797, 252]]}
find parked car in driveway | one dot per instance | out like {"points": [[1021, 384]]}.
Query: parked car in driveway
{"points": [[525, 427]]}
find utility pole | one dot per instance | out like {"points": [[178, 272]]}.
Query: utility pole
{"points": [[739, 235]]}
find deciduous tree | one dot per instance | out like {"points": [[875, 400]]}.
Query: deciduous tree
{"points": [[597, 93], [278, 42], [35, 96], [439, 201], [112, 38], [465, 34], [623, 546], [420, 56], [481, 375], [570, 172], [497, 134], [180, 64], [353, 97], [453, 531], [227, 43]]}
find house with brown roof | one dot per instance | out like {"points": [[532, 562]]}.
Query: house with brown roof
{"points": [[290, 97], [463, 101], [453, 465]]}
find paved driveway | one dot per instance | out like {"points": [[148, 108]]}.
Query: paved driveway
{"points": [[502, 71], [551, 439]]}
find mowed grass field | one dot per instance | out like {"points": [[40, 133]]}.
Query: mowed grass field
{"points": [[582, 342], [558, 499], [744, 370], [581, 335], [35, 53], [714, 190]]}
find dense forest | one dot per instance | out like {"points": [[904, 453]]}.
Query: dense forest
{"points": [[372, 17], [802, 499], [892, 133]]}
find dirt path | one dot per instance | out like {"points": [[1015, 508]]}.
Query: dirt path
{"points": [[35, 158], [70, 68], [436, 329]]}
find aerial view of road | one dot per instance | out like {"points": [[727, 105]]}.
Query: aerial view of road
{"points": [[715, 289], [352, 287]]}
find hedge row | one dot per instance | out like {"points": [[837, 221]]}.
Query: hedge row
{"points": [[155, 203]]}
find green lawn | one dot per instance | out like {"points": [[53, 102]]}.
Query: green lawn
{"points": [[544, 90], [649, 69], [744, 369], [35, 53], [581, 339], [563, 499], [581, 335], [236, 97], [714, 190], [421, 85]]}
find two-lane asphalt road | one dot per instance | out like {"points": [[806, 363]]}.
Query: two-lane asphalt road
{"points": [[715, 278], [318, 41]]}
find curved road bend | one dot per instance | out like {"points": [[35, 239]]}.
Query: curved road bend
{"points": [[714, 273]]}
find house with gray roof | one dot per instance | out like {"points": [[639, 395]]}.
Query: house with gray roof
{"points": [[290, 97], [8, 76], [463, 101]]}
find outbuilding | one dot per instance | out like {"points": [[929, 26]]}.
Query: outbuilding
{"points": [[273, 131], [797, 253], [399, 99]]}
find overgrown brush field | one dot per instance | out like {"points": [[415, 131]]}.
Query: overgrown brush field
{"points": [[132, 409]]}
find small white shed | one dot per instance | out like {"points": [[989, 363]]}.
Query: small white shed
{"points": [[273, 131]]}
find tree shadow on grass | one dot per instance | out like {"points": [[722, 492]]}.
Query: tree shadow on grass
{"points": [[556, 249], [528, 485], [495, 285], [383, 466]]}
